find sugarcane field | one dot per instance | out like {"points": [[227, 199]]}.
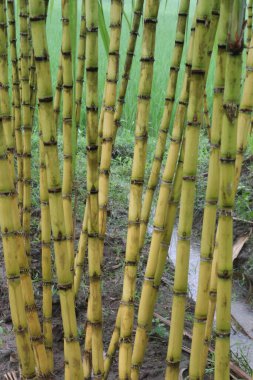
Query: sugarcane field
{"points": [[126, 189]]}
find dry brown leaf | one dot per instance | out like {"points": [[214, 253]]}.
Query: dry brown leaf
{"points": [[238, 245]]}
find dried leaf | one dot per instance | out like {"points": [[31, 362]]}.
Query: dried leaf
{"points": [[238, 245]]}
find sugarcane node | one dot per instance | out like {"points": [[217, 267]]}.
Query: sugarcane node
{"points": [[143, 221], [199, 72], [97, 376], [71, 338], [215, 12], [150, 20], [36, 339], [13, 277], [148, 279], [225, 274], [166, 182], [137, 182], [141, 137], [47, 283], [131, 263], [106, 172], [108, 80], [175, 140], [93, 235], [109, 108], [222, 334], [122, 99], [27, 127], [158, 228], [175, 68], [2, 85], [246, 110], [92, 69], [200, 319], [6, 194], [147, 59], [64, 287], [191, 178], [126, 340], [47, 99], [204, 21], [91, 148], [20, 330], [80, 80], [134, 33], [115, 25], [183, 14], [137, 367], [172, 362], [249, 68], [131, 54], [95, 277], [231, 111], [215, 145], [179, 293], [65, 20], [169, 99], [114, 53], [227, 160], [67, 87], [183, 236], [193, 123], [52, 142], [152, 188], [92, 29], [94, 323]]}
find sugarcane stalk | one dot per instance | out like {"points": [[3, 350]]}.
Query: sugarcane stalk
{"points": [[58, 93], [26, 122], [46, 119], [137, 13], [10, 231], [212, 193], [166, 118], [80, 66], [148, 292], [137, 177], [5, 103], [94, 312], [67, 185], [46, 258], [226, 189], [194, 121], [16, 112], [108, 126]]}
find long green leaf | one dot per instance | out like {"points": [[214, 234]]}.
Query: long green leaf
{"points": [[127, 19], [102, 27]]}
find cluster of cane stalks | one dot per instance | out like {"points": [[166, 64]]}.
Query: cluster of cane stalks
{"points": [[217, 30]]}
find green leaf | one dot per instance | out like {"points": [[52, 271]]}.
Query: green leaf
{"points": [[102, 27], [50, 8], [127, 20]]}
